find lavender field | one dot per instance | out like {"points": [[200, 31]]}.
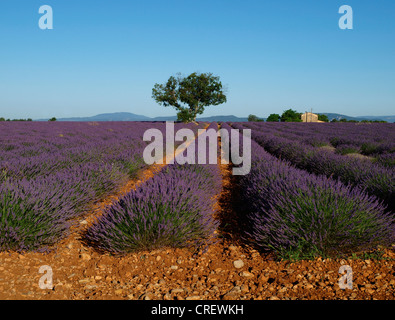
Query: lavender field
{"points": [[313, 190], [51, 173], [320, 149], [304, 199]]}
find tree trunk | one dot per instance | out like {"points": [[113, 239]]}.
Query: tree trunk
{"points": [[195, 113]]}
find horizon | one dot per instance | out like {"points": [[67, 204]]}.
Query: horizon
{"points": [[272, 56], [215, 115], [202, 116], [373, 117]]}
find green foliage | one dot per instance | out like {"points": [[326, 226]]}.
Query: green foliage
{"points": [[185, 115], [356, 121], [323, 117], [345, 222], [374, 121], [254, 118], [52, 119], [369, 148], [274, 117], [291, 116], [347, 149], [190, 95], [32, 225], [377, 254], [3, 119], [386, 160]]}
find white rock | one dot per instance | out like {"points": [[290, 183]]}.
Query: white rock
{"points": [[178, 290], [238, 264], [246, 274]]}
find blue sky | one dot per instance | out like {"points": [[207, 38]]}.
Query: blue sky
{"points": [[105, 56]]}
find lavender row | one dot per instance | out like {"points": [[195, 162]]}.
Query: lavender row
{"points": [[172, 209], [368, 139], [300, 215], [375, 179], [29, 150], [50, 173]]}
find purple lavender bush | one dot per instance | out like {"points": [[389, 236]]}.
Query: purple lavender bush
{"points": [[172, 209], [347, 149], [300, 215], [33, 215], [386, 160], [51, 172], [375, 179]]}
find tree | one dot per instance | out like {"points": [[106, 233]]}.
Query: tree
{"points": [[52, 119], [2, 119], [291, 116], [323, 117], [185, 116], [190, 95], [254, 118], [274, 117]]}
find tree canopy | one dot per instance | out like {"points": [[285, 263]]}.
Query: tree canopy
{"points": [[323, 117], [291, 116], [274, 117], [190, 95], [254, 118]]}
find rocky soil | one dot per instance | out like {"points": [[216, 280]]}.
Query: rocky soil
{"points": [[224, 271]]}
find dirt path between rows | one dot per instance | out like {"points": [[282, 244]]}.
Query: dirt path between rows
{"points": [[228, 269]]}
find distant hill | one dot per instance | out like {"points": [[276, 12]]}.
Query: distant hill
{"points": [[116, 116], [174, 118], [230, 118], [338, 116], [383, 118], [223, 119], [127, 116]]}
